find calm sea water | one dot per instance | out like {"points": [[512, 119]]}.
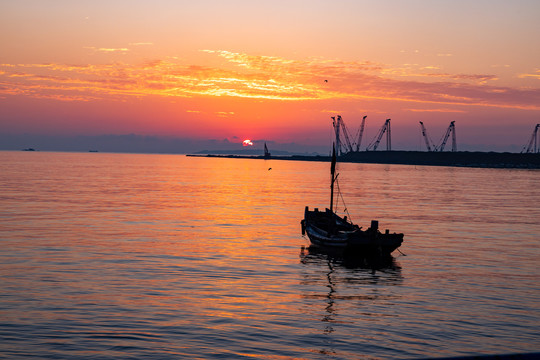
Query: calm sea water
{"points": [[170, 257]]}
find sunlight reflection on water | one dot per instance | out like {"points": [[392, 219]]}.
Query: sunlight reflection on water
{"points": [[166, 256]]}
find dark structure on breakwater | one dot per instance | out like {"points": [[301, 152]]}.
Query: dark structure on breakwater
{"points": [[458, 158]]}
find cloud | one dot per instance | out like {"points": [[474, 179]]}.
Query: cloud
{"points": [[425, 73], [263, 78], [224, 113], [480, 78], [108, 50], [442, 110], [535, 75]]}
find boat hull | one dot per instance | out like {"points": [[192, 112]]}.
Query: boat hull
{"points": [[328, 230]]}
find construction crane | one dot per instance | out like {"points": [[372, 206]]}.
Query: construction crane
{"points": [[343, 134], [375, 142], [533, 145], [426, 138], [451, 129], [339, 126], [360, 133], [335, 123], [349, 147]]}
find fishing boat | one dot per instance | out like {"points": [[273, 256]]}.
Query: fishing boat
{"points": [[329, 230]]}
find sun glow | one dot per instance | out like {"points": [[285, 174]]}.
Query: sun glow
{"points": [[247, 142]]}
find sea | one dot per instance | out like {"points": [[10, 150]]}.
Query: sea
{"points": [[147, 256]]}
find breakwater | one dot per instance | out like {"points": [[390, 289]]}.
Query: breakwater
{"points": [[459, 158]]}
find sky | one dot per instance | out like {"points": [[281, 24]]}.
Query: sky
{"points": [[219, 72]]}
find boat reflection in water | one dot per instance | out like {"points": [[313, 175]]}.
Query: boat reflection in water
{"points": [[350, 260], [335, 283]]}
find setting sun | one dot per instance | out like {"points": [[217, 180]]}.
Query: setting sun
{"points": [[247, 142]]}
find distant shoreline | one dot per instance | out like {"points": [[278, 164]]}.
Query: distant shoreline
{"points": [[456, 159]]}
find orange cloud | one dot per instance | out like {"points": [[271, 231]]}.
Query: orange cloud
{"points": [[224, 113], [535, 75], [443, 110], [264, 78], [107, 50], [481, 79]]}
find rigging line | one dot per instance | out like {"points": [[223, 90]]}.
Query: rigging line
{"points": [[343, 201]]}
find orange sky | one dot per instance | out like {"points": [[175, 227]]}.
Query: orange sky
{"points": [[271, 70]]}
